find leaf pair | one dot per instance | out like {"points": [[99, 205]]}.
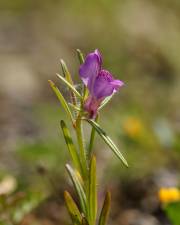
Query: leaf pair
{"points": [[76, 216], [67, 80], [79, 188]]}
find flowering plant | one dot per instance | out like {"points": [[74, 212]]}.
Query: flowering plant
{"points": [[98, 88]]}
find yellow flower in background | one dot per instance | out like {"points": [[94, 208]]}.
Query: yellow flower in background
{"points": [[167, 195], [132, 127]]}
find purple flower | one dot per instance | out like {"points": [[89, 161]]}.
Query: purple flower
{"points": [[99, 82]]}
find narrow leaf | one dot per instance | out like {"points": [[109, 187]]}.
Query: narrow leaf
{"points": [[70, 86], [68, 77], [78, 187], [72, 209], [80, 56], [105, 209], [61, 99], [66, 72], [108, 141], [105, 101], [92, 191], [71, 147]]}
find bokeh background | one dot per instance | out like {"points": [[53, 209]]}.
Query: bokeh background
{"points": [[140, 44]]}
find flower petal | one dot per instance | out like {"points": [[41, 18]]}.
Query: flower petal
{"points": [[99, 56], [90, 68], [105, 85]]}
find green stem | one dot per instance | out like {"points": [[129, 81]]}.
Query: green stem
{"points": [[84, 160], [82, 151], [91, 142]]}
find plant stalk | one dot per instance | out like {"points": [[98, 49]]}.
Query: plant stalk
{"points": [[82, 151]]}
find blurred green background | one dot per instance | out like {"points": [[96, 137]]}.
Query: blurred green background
{"points": [[140, 44]]}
